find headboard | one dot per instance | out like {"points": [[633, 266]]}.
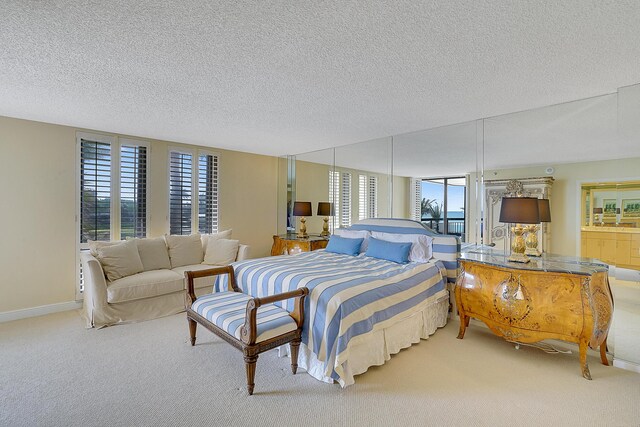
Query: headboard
{"points": [[446, 248]]}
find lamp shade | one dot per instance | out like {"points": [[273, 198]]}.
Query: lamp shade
{"points": [[543, 210], [325, 209], [617, 211], [597, 210], [302, 209], [519, 210]]}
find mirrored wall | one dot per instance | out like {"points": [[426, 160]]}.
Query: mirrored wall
{"points": [[452, 178]]}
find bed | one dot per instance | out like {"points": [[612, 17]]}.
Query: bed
{"points": [[360, 309]]}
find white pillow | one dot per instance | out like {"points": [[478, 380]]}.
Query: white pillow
{"points": [[421, 245], [355, 234], [184, 250], [94, 245], [226, 234], [153, 254], [221, 251], [120, 260]]}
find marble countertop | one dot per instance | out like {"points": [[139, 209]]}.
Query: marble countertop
{"points": [[546, 263]]}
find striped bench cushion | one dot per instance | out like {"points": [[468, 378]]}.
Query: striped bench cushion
{"points": [[227, 311]]}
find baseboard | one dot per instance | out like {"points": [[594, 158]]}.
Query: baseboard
{"points": [[624, 364], [8, 316]]}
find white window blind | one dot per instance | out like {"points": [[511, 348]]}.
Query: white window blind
{"points": [[367, 196], [208, 193], [373, 197], [415, 192], [95, 190], [180, 191], [345, 199], [334, 197], [133, 191]]}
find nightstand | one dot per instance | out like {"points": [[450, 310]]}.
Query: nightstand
{"points": [[284, 243]]}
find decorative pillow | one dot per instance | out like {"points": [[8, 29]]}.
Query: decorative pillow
{"points": [[221, 251], [94, 245], [344, 245], [391, 251], [226, 234], [153, 253], [184, 250], [421, 245], [120, 260], [355, 234]]}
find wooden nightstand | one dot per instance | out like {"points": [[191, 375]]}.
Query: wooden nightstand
{"points": [[284, 243]]}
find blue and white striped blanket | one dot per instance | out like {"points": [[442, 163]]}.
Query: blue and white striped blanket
{"points": [[348, 295]]}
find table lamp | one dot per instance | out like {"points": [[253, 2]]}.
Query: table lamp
{"points": [[531, 242], [302, 209], [519, 210], [325, 209], [596, 214]]}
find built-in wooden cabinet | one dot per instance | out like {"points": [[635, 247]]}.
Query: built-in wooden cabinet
{"points": [[621, 249]]}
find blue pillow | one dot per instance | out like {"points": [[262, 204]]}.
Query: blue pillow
{"points": [[391, 251], [343, 245]]}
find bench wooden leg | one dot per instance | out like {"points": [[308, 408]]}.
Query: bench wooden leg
{"points": [[250, 365], [294, 346], [192, 330]]}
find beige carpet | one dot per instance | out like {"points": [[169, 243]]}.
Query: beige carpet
{"points": [[53, 372]]}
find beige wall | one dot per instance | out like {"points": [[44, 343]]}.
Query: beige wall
{"points": [[565, 193], [38, 191]]}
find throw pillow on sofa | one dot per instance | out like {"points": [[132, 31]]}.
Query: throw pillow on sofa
{"points": [[226, 234], [153, 254], [120, 260], [184, 250], [94, 245], [221, 251]]}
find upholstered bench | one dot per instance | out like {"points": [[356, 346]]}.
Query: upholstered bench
{"points": [[252, 325]]}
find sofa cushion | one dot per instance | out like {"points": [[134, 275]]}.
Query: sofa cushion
{"points": [[200, 282], [95, 244], [144, 285], [184, 250], [221, 251], [153, 254], [226, 234], [227, 311], [120, 260]]}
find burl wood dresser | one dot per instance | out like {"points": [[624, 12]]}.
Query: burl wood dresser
{"points": [[551, 297]]}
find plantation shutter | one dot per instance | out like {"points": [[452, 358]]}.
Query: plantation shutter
{"points": [[133, 191], [334, 197], [373, 197], [362, 196], [345, 199], [416, 199], [180, 189], [95, 190], [208, 193]]}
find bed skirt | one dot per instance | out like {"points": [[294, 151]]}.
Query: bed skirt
{"points": [[376, 347]]}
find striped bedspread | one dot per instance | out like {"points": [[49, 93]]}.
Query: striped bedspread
{"points": [[348, 295]]}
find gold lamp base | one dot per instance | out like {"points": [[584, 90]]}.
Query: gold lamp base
{"points": [[518, 246], [531, 242], [325, 228], [302, 233]]}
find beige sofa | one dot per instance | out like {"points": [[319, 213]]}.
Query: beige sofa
{"points": [[156, 288]]}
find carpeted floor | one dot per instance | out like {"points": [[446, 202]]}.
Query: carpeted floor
{"points": [[56, 373]]}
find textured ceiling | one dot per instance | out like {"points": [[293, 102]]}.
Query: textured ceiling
{"points": [[278, 77]]}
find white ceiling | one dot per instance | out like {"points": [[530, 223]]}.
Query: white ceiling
{"points": [[278, 77]]}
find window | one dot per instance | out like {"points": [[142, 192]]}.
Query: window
{"points": [[186, 177], [443, 205], [112, 190], [334, 197], [340, 196], [367, 196], [415, 192]]}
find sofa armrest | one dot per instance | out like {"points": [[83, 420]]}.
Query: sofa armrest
{"points": [[243, 252], [95, 285]]}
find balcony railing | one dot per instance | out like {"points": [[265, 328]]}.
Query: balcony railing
{"points": [[453, 226]]}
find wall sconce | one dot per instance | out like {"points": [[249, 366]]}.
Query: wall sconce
{"points": [[325, 209], [519, 210], [302, 209], [531, 242]]}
